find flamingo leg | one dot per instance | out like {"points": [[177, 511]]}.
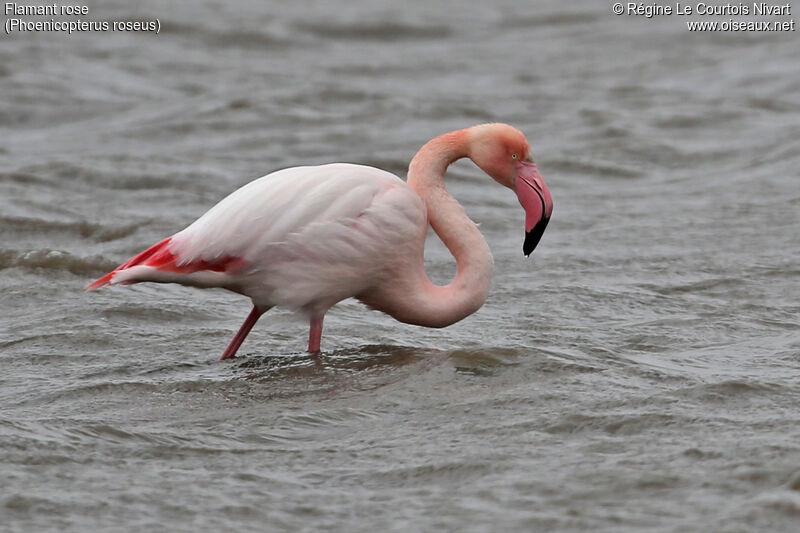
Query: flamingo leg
{"points": [[315, 334], [238, 339]]}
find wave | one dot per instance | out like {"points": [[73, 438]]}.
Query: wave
{"points": [[85, 229], [732, 389], [575, 166], [55, 260], [379, 31], [549, 20]]}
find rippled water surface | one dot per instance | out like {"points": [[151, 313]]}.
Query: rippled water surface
{"points": [[640, 372]]}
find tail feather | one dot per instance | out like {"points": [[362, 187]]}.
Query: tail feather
{"points": [[105, 280], [162, 260], [157, 255]]}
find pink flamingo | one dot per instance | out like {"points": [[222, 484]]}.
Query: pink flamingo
{"points": [[308, 237]]}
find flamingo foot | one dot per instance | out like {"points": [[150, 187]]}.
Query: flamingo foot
{"points": [[315, 334], [238, 339]]}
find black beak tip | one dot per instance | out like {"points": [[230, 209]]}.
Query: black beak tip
{"points": [[533, 237], [527, 248]]}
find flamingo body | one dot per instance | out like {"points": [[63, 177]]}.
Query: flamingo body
{"points": [[308, 237], [302, 238]]}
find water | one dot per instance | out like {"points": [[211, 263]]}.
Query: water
{"points": [[640, 372]]}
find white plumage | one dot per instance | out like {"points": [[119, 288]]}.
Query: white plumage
{"points": [[307, 237]]}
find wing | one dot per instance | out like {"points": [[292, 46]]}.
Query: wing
{"points": [[281, 218]]}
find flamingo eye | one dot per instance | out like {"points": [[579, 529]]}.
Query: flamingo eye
{"points": [[513, 156]]}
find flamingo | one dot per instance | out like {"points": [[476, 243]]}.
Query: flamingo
{"points": [[308, 237]]}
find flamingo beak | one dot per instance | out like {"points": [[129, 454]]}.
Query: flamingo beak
{"points": [[534, 196]]}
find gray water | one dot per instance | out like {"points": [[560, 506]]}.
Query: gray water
{"points": [[640, 372]]}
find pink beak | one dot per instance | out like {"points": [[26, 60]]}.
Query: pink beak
{"points": [[534, 196]]}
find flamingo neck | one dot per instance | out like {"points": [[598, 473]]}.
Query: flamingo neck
{"points": [[439, 306]]}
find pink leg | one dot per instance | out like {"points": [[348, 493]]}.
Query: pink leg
{"points": [[315, 335], [238, 339]]}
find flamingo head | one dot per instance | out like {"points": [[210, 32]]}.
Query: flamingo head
{"points": [[503, 152]]}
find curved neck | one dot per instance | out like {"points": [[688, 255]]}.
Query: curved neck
{"points": [[440, 306]]}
